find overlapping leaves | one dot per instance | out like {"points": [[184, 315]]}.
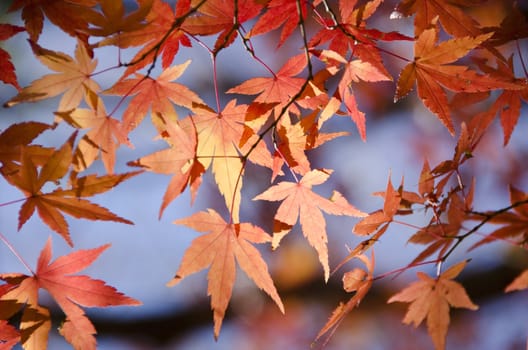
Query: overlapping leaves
{"points": [[68, 290], [454, 57]]}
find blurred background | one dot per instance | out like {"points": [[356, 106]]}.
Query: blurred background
{"points": [[145, 256]]}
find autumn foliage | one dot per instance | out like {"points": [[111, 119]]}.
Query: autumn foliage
{"points": [[467, 69]]}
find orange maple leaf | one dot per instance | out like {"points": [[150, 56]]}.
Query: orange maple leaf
{"points": [[218, 138], [68, 15], [450, 13], [431, 298], [49, 205], [17, 138], [218, 249], [154, 94], [104, 137], [514, 223], [178, 160], [73, 78], [112, 18], [432, 73], [371, 222], [357, 280], [294, 140], [68, 291], [161, 35], [300, 202]]}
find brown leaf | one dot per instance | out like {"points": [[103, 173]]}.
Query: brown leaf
{"points": [[432, 298]]}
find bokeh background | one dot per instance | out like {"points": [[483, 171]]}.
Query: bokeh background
{"points": [[143, 257]]}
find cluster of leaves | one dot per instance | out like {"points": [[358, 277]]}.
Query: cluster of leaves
{"points": [[457, 61]]}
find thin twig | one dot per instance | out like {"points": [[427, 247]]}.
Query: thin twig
{"points": [[13, 250]]}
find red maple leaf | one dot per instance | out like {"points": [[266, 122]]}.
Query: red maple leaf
{"points": [[7, 69], [285, 13], [68, 290], [218, 16]]}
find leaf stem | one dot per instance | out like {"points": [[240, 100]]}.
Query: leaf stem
{"points": [[12, 202], [13, 250], [402, 269], [487, 217], [248, 45]]}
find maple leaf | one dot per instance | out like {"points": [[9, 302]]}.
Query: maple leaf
{"points": [[179, 160], [218, 138], [440, 236], [73, 78], [113, 20], [7, 69], [351, 33], [104, 137], [68, 15], [432, 298], [299, 202], [280, 88], [451, 15], [508, 104], [162, 35], [218, 16], [218, 249], [16, 139], [374, 220], [9, 336], [355, 71], [68, 290], [514, 222], [285, 13], [154, 94], [357, 280], [50, 205], [513, 26], [431, 71], [294, 140]]}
